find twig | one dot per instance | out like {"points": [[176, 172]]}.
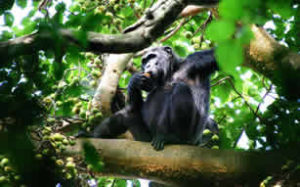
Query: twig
{"points": [[184, 21], [220, 81], [265, 95], [206, 22], [135, 13], [239, 94]]}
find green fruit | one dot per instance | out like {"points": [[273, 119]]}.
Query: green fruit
{"points": [[53, 96], [50, 120], [206, 132], [8, 169], [59, 162], [101, 8], [2, 179], [65, 142], [48, 129], [112, 2], [96, 73], [215, 137], [72, 142], [17, 177], [90, 167], [46, 137], [93, 83], [59, 103], [53, 158], [196, 40], [4, 162], [45, 132], [109, 14], [117, 21], [57, 137], [45, 151], [39, 156], [91, 120], [58, 144], [196, 46], [62, 147], [70, 165], [76, 110], [47, 100], [97, 61], [78, 104], [285, 167], [84, 125], [116, 7], [70, 159], [215, 147], [89, 55], [98, 115], [95, 111], [82, 114], [188, 35], [68, 176]]}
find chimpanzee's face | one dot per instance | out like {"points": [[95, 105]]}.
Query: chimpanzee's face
{"points": [[157, 62]]}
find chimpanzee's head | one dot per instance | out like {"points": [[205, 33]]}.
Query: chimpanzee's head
{"points": [[159, 62]]}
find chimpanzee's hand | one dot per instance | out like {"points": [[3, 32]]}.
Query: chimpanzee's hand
{"points": [[141, 82]]}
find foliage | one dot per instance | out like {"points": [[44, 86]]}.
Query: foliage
{"points": [[39, 91]]}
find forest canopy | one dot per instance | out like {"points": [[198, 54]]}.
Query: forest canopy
{"points": [[65, 66]]}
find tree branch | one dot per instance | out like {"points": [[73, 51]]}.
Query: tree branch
{"points": [[181, 164], [275, 61]]}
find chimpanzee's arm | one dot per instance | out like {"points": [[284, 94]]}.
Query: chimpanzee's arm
{"points": [[137, 83], [130, 117], [202, 62]]}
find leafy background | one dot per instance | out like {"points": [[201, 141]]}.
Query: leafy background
{"points": [[37, 91]]}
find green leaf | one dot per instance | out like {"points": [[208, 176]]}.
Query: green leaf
{"points": [[120, 183], [8, 18], [181, 51], [229, 55], [21, 3], [92, 157], [282, 7], [220, 30], [223, 91], [6, 35], [245, 35], [231, 9]]}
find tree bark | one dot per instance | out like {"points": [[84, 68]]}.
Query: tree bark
{"points": [[275, 61], [116, 63], [181, 165]]}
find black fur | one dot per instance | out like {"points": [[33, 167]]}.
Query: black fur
{"points": [[176, 108]]}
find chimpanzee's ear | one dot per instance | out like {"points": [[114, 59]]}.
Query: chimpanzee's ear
{"points": [[168, 50]]}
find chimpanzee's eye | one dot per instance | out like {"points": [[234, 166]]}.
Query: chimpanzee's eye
{"points": [[147, 58]]}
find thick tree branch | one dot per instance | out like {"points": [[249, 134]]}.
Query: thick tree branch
{"points": [[275, 61], [181, 164], [137, 37]]}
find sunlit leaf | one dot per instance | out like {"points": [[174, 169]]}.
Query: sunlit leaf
{"points": [[8, 18], [220, 30], [229, 55]]}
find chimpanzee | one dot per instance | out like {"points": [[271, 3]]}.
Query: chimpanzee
{"points": [[177, 105]]}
